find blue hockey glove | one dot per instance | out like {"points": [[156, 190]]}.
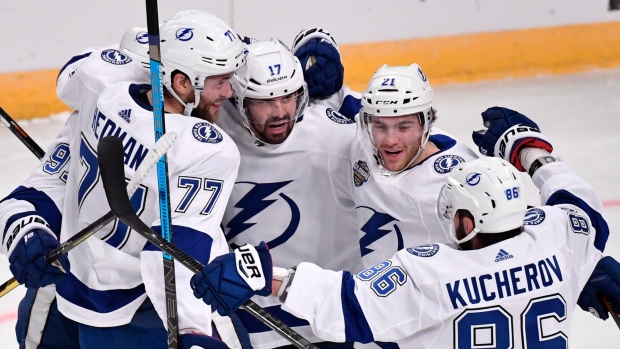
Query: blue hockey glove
{"points": [[231, 279], [604, 281], [28, 263], [195, 341], [318, 54], [507, 133]]}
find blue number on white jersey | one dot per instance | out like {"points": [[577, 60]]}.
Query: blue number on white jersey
{"points": [[492, 327], [383, 277], [57, 160], [193, 185]]}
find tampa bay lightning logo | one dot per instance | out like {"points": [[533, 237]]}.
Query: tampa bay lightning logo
{"points": [[206, 133], [185, 34], [337, 117], [115, 57], [424, 250], [373, 230], [255, 202], [421, 74], [473, 178], [446, 163], [534, 216], [142, 38]]}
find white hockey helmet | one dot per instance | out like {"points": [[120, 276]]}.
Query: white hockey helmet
{"points": [[199, 45], [398, 91], [271, 71], [491, 189], [135, 43]]}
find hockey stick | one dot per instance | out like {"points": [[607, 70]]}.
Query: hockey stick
{"points": [[612, 313], [160, 148], [21, 134], [152, 28], [110, 152]]}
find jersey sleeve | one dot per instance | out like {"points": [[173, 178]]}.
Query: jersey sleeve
{"points": [[37, 203], [341, 306], [346, 102], [68, 85], [198, 196], [561, 187]]}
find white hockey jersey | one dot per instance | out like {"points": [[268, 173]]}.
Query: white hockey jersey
{"points": [[519, 293], [113, 272], [401, 210], [79, 83], [295, 196]]}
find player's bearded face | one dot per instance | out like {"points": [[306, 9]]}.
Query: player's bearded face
{"points": [[459, 227], [272, 120], [216, 90], [397, 139]]}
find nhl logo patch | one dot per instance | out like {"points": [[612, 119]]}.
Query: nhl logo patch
{"points": [[424, 250], [115, 57], [446, 163], [206, 133], [534, 216], [361, 173], [337, 117]]}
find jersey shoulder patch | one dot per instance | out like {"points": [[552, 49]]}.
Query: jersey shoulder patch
{"points": [[206, 133], [534, 216], [361, 173], [337, 117], [445, 163], [115, 57], [424, 250]]}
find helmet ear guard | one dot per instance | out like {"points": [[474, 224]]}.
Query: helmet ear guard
{"points": [[491, 190]]}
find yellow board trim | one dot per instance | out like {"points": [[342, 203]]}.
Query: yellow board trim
{"points": [[462, 58]]}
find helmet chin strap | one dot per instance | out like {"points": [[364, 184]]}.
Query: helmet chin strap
{"points": [[188, 107], [469, 236]]}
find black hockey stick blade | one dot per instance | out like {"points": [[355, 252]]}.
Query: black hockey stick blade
{"points": [[614, 315], [111, 165]]}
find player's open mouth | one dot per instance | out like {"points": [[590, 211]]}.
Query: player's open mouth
{"points": [[392, 153], [277, 127]]}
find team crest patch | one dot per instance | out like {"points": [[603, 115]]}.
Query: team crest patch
{"points": [[534, 216], [424, 250], [337, 117], [115, 57], [206, 133], [361, 173], [446, 163]]}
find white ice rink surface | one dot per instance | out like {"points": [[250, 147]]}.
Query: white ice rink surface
{"points": [[579, 113]]}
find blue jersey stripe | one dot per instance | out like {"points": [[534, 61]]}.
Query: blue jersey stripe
{"points": [[74, 291], [599, 223], [356, 326], [194, 243], [43, 205]]}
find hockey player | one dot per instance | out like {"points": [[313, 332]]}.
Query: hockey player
{"points": [[39, 322], [515, 266], [109, 305], [399, 164], [294, 186]]}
